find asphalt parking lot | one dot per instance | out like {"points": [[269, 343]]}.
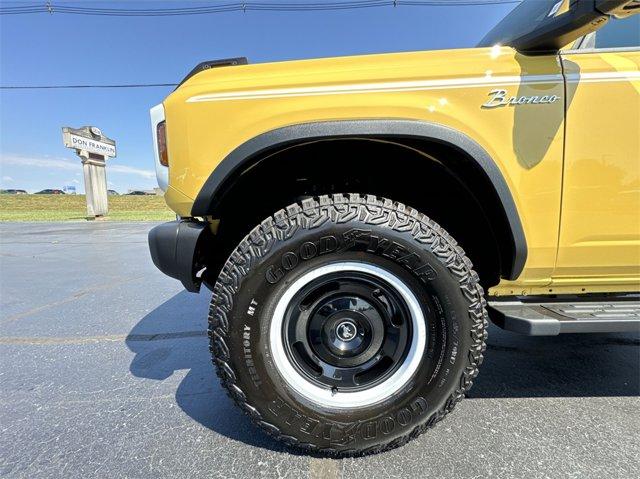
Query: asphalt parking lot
{"points": [[105, 372]]}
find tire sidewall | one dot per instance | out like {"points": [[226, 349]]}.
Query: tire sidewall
{"points": [[418, 402]]}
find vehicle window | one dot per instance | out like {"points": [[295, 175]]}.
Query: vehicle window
{"points": [[619, 33], [525, 18]]}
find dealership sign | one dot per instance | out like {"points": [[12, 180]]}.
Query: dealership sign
{"points": [[89, 139], [93, 149]]}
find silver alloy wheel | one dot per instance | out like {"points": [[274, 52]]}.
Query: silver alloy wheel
{"points": [[334, 397]]}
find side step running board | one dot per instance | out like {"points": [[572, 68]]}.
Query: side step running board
{"points": [[552, 318]]}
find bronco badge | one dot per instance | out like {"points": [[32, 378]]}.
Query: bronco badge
{"points": [[500, 98]]}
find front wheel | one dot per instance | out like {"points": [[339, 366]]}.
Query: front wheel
{"points": [[347, 325]]}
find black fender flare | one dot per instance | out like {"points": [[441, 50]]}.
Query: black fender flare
{"points": [[251, 151]]}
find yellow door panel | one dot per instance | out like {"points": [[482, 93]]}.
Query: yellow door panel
{"points": [[600, 219]]}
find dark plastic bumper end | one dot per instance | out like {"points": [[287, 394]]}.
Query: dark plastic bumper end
{"points": [[174, 248]]}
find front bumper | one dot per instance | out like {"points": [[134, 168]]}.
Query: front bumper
{"points": [[175, 250]]}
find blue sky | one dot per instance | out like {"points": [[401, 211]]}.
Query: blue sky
{"points": [[58, 49]]}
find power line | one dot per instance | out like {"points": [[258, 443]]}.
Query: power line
{"points": [[49, 7], [75, 9]]}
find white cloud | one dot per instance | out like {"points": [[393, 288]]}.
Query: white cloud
{"points": [[8, 179], [71, 165], [130, 170], [44, 162]]}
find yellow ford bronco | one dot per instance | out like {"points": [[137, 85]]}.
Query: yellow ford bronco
{"points": [[360, 219]]}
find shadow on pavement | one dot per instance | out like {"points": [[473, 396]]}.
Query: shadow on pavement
{"points": [[568, 365], [172, 339]]}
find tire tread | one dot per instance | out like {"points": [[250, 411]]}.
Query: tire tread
{"points": [[340, 208]]}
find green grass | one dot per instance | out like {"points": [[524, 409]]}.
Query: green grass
{"points": [[74, 208]]}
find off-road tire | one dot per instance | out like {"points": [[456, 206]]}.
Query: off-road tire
{"points": [[248, 287]]}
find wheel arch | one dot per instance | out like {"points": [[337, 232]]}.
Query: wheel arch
{"points": [[407, 134]]}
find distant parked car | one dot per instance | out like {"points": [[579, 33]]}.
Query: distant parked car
{"points": [[138, 193], [112, 192], [50, 191], [13, 192]]}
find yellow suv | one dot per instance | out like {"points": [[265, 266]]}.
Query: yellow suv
{"points": [[353, 216]]}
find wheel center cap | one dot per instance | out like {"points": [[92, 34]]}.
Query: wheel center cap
{"points": [[346, 331]]}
